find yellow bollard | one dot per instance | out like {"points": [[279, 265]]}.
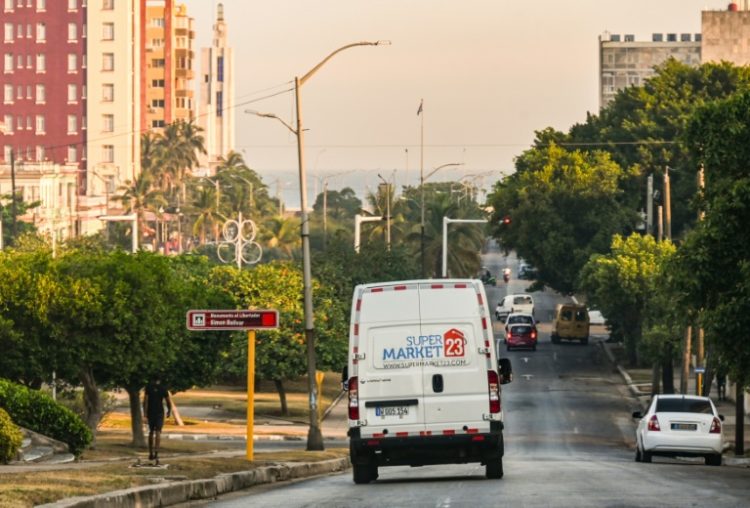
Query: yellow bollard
{"points": [[319, 375], [250, 392]]}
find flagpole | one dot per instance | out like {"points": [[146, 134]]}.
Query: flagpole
{"points": [[421, 180]]}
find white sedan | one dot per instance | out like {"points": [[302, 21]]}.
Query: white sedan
{"points": [[679, 426]]}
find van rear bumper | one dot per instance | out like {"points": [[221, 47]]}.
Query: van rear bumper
{"points": [[427, 450]]}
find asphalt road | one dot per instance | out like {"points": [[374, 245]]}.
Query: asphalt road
{"points": [[568, 443]]}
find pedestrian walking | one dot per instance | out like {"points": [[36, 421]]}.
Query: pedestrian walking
{"points": [[721, 384], [156, 395]]}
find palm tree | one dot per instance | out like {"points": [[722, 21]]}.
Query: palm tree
{"points": [[203, 207], [281, 235], [139, 196]]}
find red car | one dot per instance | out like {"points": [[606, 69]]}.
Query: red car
{"points": [[521, 335]]}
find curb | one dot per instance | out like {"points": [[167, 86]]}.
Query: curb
{"points": [[192, 490]]}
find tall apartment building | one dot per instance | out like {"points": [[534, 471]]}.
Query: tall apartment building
{"points": [[216, 106], [114, 105], [625, 62], [44, 81], [167, 79], [726, 34]]}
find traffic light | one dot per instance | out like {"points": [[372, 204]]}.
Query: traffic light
{"points": [[506, 220]]}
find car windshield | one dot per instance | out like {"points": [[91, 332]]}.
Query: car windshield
{"points": [[519, 318], [522, 300], [682, 405]]}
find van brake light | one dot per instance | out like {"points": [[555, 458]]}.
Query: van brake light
{"points": [[353, 398], [493, 384]]}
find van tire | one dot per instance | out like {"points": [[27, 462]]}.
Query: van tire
{"points": [[494, 469], [555, 338], [362, 473], [585, 341]]}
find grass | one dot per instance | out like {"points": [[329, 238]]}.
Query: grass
{"points": [[32, 488], [234, 399]]}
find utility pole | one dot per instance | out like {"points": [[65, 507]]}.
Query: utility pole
{"points": [[650, 205], [667, 205], [13, 194], [700, 352]]}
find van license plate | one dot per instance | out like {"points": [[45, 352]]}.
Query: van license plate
{"points": [[386, 412]]}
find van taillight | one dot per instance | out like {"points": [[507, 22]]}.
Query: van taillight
{"points": [[653, 423], [493, 383], [715, 426], [353, 398]]}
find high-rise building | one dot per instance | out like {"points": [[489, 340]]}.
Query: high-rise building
{"points": [[114, 105], [726, 34], [216, 106], [168, 71], [43, 110], [625, 62]]}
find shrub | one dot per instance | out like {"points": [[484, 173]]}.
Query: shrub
{"points": [[38, 412], [10, 438]]}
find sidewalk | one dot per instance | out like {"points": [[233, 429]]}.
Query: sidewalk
{"points": [[640, 390]]}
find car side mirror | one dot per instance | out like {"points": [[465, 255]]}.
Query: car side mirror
{"points": [[721, 417], [637, 414], [345, 378], [506, 371]]}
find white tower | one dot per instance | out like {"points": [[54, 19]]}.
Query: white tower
{"points": [[216, 105]]}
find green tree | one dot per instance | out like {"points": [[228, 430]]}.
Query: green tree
{"points": [[622, 283], [564, 207]]}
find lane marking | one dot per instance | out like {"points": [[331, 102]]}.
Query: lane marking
{"points": [[445, 503], [525, 359], [527, 376]]}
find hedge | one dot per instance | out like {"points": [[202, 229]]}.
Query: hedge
{"points": [[10, 438], [37, 411]]}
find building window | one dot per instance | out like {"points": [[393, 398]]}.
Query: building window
{"points": [[19, 62], [83, 92], [8, 32], [108, 5], [108, 123], [72, 5], [220, 69], [41, 5], [157, 83], [41, 124], [6, 152], [157, 63], [19, 123], [19, 92], [219, 104], [29, 62], [108, 92], [157, 43], [28, 92], [72, 62], [157, 124], [108, 31], [8, 5], [157, 22], [41, 32], [72, 124], [41, 63], [83, 61], [29, 123], [83, 119], [8, 121], [108, 153], [41, 94], [29, 32], [40, 153], [72, 154], [108, 62], [8, 63], [157, 103], [72, 94], [72, 32], [8, 94]]}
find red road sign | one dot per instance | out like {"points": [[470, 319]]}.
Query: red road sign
{"points": [[232, 319]]}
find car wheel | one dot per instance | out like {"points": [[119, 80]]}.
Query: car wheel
{"points": [[494, 469], [713, 460], [555, 338], [638, 457], [362, 473], [533, 348], [646, 456], [585, 341]]}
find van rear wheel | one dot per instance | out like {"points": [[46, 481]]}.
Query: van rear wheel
{"points": [[494, 469], [363, 473]]}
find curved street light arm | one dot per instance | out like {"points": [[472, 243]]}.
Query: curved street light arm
{"points": [[271, 115], [450, 164], [342, 48]]}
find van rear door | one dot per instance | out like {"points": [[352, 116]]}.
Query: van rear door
{"points": [[388, 360], [454, 316]]}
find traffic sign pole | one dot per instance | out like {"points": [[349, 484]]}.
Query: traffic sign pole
{"points": [[250, 392]]}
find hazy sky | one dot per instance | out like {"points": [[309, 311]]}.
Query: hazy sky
{"points": [[490, 73]]}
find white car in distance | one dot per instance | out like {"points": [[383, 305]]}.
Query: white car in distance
{"points": [[679, 426], [520, 303]]}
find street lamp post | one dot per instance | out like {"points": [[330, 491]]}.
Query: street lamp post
{"points": [[314, 436], [422, 179], [387, 212]]}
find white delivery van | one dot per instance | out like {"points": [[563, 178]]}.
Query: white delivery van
{"points": [[423, 377]]}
